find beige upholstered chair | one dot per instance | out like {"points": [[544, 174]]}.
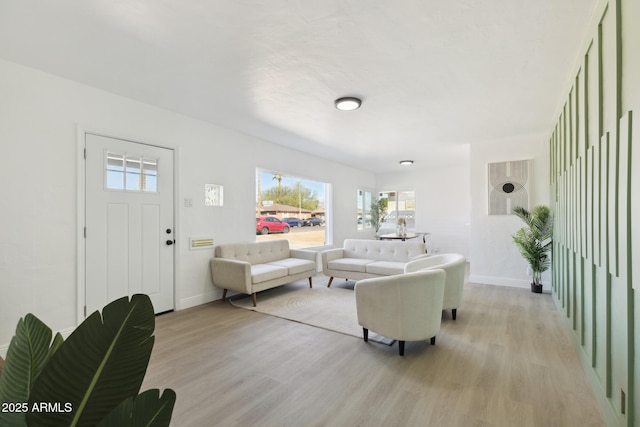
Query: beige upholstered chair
{"points": [[454, 265], [406, 307]]}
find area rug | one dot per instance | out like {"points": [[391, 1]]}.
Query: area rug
{"points": [[333, 309]]}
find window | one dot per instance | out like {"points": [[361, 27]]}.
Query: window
{"points": [[363, 212], [131, 173], [400, 204], [298, 201]]}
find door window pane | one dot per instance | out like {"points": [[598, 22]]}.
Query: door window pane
{"points": [[130, 173], [134, 171], [115, 171], [150, 175]]}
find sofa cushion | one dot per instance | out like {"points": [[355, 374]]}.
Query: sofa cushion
{"points": [[263, 272], [386, 268], [295, 265], [382, 250], [350, 264], [254, 252]]}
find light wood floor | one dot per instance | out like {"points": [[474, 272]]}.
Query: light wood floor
{"points": [[506, 361]]}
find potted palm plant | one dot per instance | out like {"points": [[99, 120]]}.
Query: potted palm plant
{"points": [[534, 241]]}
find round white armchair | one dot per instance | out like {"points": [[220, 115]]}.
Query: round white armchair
{"points": [[405, 307], [454, 265]]}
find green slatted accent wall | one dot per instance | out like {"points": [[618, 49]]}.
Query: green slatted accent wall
{"points": [[594, 192]]}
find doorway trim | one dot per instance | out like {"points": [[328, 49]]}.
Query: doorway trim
{"points": [[81, 201]]}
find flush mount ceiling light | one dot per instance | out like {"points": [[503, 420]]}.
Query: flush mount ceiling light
{"points": [[406, 162], [348, 103]]}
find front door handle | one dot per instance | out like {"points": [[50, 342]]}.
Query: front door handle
{"points": [[170, 242]]}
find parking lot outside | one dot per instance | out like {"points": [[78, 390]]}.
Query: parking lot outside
{"points": [[298, 237]]}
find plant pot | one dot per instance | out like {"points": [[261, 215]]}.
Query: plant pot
{"points": [[536, 289]]}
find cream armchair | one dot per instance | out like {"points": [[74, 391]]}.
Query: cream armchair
{"points": [[405, 307], [454, 265]]}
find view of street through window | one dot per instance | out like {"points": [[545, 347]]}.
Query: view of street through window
{"points": [[291, 208]]}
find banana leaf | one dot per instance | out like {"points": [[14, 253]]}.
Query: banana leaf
{"points": [[102, 363], [146, 409], [28, 352]]}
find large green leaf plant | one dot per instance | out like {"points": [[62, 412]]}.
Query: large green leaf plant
{"points": [[91, 379], [534, 240]]}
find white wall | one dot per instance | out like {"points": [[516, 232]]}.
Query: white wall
{"points": [[442, 202], [494, 257], [39, 119]]}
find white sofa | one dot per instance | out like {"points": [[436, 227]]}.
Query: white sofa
{"points": [[405, 307], [454, 266], [253, 267], [364, 259]]}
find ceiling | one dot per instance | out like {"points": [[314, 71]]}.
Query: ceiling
{"points": [[434, 76]]}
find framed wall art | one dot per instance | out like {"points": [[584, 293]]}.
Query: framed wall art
{"points": [[213, 195]]}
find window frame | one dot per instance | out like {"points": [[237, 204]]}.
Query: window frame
{"points": [[395, 206], [363, 208]]}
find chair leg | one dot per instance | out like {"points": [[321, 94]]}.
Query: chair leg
{"points": [[224, 295], [365, 333], [330, 280], [453, 313], [253, 299], [310, 283], [433, 340], [401, 348]]}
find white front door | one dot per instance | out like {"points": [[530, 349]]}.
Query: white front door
{"points": [[129, 222]]}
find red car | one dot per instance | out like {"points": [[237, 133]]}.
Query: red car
{"points": [[270, 224]]}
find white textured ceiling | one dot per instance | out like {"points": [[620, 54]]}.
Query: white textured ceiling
{"points": [[434, 75]]}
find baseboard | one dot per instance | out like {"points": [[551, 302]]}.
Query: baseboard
{"points": [[499, 281], [502, 281], [198, 300]]}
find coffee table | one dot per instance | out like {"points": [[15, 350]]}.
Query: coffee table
{"points": [[394, 236]]}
